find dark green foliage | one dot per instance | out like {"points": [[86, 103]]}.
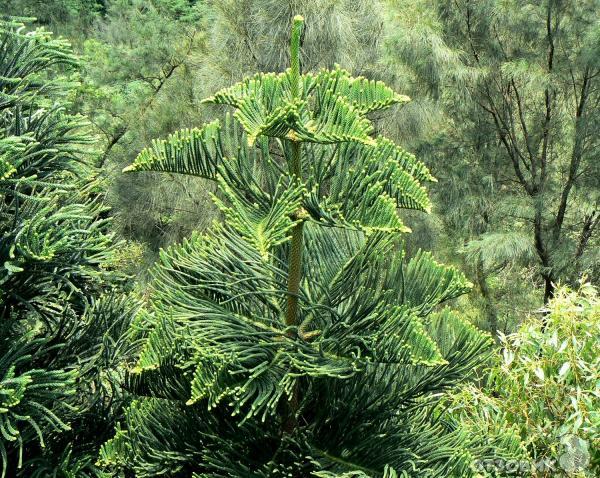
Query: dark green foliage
{"points": [[67, 17], [241, 376], [62, 333]]}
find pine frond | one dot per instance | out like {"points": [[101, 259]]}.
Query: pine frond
{"points": [[195, 152], [336, 121], [426, 283], [25, 64], [264, 228], [364, 95], [162, 437], [386, 149], [30, 398], [264, 104], [160, 450], [460, 343], [330, 109], [499, 249], [361, 186], [358, 205]]}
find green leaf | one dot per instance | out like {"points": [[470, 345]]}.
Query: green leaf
{"points": [[336, 121], [264, 104], [361, 186], [263, 227], [427, 283]]}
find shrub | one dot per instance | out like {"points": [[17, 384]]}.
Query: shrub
{"points": [[545, 387]]}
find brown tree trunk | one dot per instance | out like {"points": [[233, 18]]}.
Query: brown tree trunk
{"points": [[548, 288]]}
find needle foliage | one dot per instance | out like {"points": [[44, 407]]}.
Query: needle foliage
{"points": [[62, 323], [295, 338]]}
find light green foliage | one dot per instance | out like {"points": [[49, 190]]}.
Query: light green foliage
{"points": [[148, 62], [241, 43], [63, 330], [514, 89], [294, 338], [544, 387], [194, 151], [495, 250]]}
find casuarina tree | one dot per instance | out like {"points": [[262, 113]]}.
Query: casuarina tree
{"points": [[294, 338]]}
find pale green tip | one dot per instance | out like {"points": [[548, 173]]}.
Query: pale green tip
{"points": [[298, 19], [128, 169]]}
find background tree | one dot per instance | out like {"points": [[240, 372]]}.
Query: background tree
{"points": [[240, 43], [518, 85], [295, 339], [137, 85], [62, 337], [66, 17]]}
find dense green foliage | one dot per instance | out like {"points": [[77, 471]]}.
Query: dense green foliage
{"points": [[504, 113], [517, 84], [268, 335], [63, 324], [544, 387]]}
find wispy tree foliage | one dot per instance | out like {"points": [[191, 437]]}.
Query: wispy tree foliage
{"points": [[66, 17], [295, 338], [240, 43], [518, 83], [139, 56], [63, 330]]}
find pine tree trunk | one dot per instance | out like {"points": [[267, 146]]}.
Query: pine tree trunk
{"points": [[295, 257], [548, 288]]}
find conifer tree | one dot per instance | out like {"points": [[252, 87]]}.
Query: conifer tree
{"points": [[517, 83], [294, 338], [63, 320]]}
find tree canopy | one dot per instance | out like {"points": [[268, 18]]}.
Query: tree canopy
{"points": [[262, 291]]}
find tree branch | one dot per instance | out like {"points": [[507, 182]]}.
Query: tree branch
{"points": [[576, 156]]}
